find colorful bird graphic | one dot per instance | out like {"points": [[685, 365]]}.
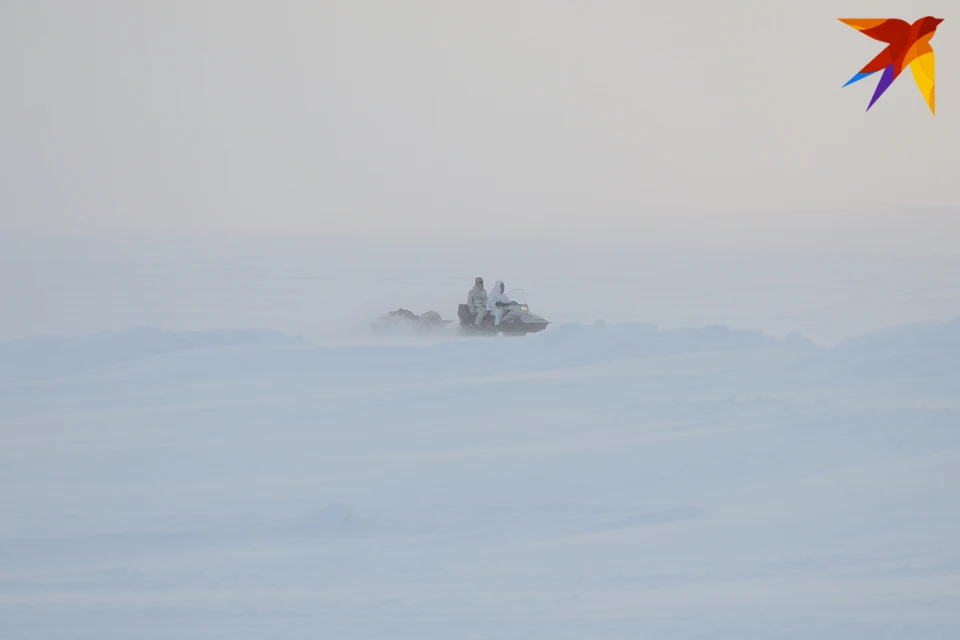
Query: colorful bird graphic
{"points": [[907, 44]]}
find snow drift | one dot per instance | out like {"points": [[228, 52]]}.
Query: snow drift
{"points": [[49, 356]]}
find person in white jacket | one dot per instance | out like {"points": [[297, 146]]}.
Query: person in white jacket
{"points": [[495, 298]]}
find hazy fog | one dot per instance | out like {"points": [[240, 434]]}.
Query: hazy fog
{"points": [[329, 293], [671, 163], [454, 121]]}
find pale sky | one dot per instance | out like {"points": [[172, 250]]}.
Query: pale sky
{"points": [[378, 119]]}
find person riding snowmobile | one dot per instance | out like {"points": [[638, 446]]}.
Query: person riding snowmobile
{"points": [[477, 301], [497, 299]]}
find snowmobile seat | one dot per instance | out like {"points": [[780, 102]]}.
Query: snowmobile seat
{"points": [[465, 315]]}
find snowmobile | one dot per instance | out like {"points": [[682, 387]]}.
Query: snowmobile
{"points": [[517, 321], [404, 321]]}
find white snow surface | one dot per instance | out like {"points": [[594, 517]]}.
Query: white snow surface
{"points": [[605, 481]]}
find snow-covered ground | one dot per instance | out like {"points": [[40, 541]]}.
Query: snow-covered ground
{"points": [[617, 481]]}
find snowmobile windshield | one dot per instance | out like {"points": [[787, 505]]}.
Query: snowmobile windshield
{"points": [[517, 295]]}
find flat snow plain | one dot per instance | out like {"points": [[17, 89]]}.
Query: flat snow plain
{"points": [[614, 481]]}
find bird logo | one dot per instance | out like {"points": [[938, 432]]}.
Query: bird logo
{"points": [[907, 44]]}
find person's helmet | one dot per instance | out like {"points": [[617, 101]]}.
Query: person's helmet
{"points": [[478, 280]]}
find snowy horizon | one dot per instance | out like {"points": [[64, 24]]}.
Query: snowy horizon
{"points": [[330, 289]]}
